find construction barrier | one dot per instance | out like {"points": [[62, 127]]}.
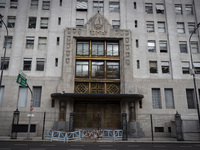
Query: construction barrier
{"points": [[58, 136], [76, 135]]}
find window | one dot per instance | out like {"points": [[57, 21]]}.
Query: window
{"points": [[180, 27], [59, 21], [116, 24], [189, 9], [161, 26], [150, 26], [178, 9], [60, 2], [6, 63], [136, 24], [82, 68], [56, 62], [190, 98], [97, 48], [159, 129], [37, 92], [11, 21], [151, 46], [194, 47], [165, 66], [112, 70], [163, 46], [82, 48], [58, 41], [13, 4], [135, 5], [29, 42], [79, 23], [153, 67], [8, 41], [22, 100], [40, 64], [169, 99], [98, 6], [32, 22], [137, 42], [97, 69], [191, 27], [45, 5], [81, 5], [138, 64], [197, 67], [34, 4], [2, 5], [183, 46], [185, 67], [1, 95], [114, 6], [112, 49], [160, 8], [149, 8], [42, 43], [156, 99], [44, 23], [27, 64]]}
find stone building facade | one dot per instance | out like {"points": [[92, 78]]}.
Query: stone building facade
{"points": [[100, 57]]}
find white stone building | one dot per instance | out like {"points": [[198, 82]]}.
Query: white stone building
{"points": [[106, 57]]}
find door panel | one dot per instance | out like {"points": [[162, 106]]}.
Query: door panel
{"points": [[86, 115]]}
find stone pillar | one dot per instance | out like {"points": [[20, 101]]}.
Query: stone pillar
{"points": [[71, 122], [124, 127], [179, 130], [132, 112]]}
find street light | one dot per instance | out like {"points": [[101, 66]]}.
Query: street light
{"points": [[2, 65], [193, 73]]}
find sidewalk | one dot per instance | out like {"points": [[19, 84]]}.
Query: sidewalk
{"points": [[133, 140]]}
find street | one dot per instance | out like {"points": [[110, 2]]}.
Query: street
{"points": [[94, 146]]}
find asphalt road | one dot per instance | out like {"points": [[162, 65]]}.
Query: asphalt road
{"points": [[94, 146]]}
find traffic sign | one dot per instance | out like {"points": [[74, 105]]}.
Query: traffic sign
{"points": [[30, 115], [21, 80]]}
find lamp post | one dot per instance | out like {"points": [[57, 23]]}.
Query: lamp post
{"points": [[2, 65], [193, 74]]}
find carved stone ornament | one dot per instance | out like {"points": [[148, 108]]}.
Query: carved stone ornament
{"points": [[67, 53], [67, 60], [128, 62]]}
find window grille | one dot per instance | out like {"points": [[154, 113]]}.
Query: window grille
{"points": [[156, 98], [112, 88], [37, 92], [81, 88], [169, 99]]}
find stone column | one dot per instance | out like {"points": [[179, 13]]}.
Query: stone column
{"points": [[71, 122], [178, 123], [132, 111], [124, 127]]}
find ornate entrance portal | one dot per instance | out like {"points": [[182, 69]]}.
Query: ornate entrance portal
{"points": [[86, 115]]}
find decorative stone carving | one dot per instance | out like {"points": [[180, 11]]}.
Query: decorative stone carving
{"points": [[68, 45], [67, 60], [67, 53], [128, 62], [127, 40], [127, 33], [127, 54], [69, 31], [127, 47]]}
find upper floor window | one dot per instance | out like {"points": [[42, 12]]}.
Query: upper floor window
{"points": [[149, 8], [178, 9], [180, 27], [8, 41], [196, 67], [6, 63], [165, 66], [191, 27], [32, 22], [2, 3], [97, 69], [29, 42], [97, 48], [112, 70], [183, 46], [42, 43], [153, 67], [27, 64], [98, 6], [112, 49], [13, 4], [11, 21], [150, 26], [161, 26], [40, 64], [34, 4], [151, 46], [1, 95], [163, 46], [194, 47], [114, 6], [81, 5], [44, 23], [82, 48], [37, 92], [185, 67], [45, 5], [160, 8], [189, 9], [116, 24], [79, 23], [190, 98], [82, 68]]}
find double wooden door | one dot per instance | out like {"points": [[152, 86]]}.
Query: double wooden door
{"points": [[87, 114]]}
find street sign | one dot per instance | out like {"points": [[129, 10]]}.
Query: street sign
{"points": [[30, 115], [21, 80]]}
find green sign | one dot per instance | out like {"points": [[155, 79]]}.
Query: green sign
{"points": [[21, 80]]}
